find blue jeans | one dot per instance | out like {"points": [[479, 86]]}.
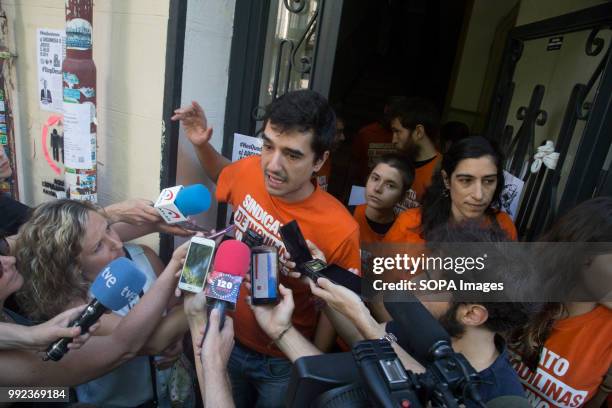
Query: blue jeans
{"points": [[258, 380]]}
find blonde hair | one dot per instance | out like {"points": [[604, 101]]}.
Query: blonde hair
{"points": [[47, 252]]}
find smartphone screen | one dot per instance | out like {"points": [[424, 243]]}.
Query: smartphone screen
{"points": [[197, 264], [264, 277]]}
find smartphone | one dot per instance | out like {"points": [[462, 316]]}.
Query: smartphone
{"points": [[264, 275], [197, 263], [312, 269], [343, 277], [295, 243]]}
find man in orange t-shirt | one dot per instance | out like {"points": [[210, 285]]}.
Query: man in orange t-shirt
{"points": [[414, 125], [371, 141], [573, 362], [266, 192]]}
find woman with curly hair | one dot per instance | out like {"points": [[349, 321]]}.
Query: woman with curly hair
{"points": [[60, 251], [570, 342]]}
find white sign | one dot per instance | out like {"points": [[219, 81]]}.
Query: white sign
{"points": [[511, 194], [245, 146], [77, 136], [357, 196], [50, 54]]}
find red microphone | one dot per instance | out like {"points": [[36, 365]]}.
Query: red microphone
{"points": [[223, 283]]}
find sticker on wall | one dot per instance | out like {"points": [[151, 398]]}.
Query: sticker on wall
{"points": [[56, 143], [50, 54], [78, 34], [54, 189], [554, 43], [77, 136], [82, 184]]}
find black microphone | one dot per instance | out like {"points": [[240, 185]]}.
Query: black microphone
{"points": [[117, 285]]}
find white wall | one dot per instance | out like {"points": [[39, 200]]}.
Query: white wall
{"points": [[129, 50], [485, 17], [208, 41], [536, 10]]}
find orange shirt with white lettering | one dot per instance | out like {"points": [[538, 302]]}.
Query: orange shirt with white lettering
{"points": [[407, 227], [573, 363], [322, 219], [422, 179]]}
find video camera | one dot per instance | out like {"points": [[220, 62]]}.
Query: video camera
{"points": [[373, 376]]}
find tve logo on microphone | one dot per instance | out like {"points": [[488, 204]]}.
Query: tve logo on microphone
{"points": [[110, 280]]}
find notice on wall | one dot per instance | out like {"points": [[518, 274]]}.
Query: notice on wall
{"points": [[511, 194], [77, 136], [245, 146], [50, 54]]}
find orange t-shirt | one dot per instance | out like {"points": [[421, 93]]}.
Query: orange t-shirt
{"points": [[574, 361], [422, 180], [407, 227], [322, 219], [324, 173], [366, 234], [371, 141]]}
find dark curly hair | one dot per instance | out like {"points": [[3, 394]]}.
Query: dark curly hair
{"points": [[304, 111], [505, 263]]}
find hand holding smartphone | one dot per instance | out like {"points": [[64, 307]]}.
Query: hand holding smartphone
{"points": [[197, 263]]}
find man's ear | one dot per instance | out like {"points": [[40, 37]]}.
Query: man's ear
{"points": [[320, 161], [445, 179], [472, 314], [418, 133]]}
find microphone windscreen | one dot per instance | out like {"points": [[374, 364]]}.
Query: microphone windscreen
{"points": [[415, 327], [233, 258], [509, 401], [193, 200], [118, 284]]}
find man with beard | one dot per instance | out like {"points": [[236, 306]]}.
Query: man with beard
{"points": [[266, 192], [414, 124], [476, 323]]}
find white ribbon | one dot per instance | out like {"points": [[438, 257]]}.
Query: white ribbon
{"points": [[546, 154]]}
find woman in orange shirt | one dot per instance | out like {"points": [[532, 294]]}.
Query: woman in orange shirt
{"points": [[467, 188], [566, 351], [387, 184]]}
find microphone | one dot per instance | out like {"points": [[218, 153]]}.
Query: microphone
{"points": [[223, 283], [117, 285], [175, 204]]}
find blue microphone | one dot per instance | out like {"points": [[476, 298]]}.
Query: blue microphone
{"points": [[117, 285], [177, 203]]}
